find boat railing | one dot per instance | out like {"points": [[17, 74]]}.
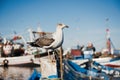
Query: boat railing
{"points": [[80, 72]]}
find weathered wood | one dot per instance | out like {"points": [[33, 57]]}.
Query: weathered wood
{"points": [[61, 59]]}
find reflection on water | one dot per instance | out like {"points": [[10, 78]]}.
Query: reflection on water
{"points": [[16, 73]]}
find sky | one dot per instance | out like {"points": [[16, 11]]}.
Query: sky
{"points": [[86, 19]]}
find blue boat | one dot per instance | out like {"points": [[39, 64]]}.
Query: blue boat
{"points": [[38, 76], [35, 75], [72, 71], [113, 72]]}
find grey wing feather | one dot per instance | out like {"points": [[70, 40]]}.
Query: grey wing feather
{"points": [[44, 41]]}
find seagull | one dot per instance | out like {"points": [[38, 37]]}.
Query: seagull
{"points": [[51, 42]]}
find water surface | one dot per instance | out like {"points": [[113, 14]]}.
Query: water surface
{"points": [[16, 73]]}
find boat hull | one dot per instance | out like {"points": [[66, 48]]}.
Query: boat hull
{"points": [[18, 61], [72, 71], [108, 61]]}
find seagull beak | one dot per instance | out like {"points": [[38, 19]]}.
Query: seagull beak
{"points": [[67, 26]]}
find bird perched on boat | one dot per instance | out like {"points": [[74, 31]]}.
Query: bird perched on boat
{"points": [[51, 42]]}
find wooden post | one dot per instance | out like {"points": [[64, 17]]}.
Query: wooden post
{"points": [[61, 65]]}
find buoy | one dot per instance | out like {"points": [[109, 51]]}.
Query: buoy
{"points": [[5, 62]]}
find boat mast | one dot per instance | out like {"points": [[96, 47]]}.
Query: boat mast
{"points": [[108, 41], [31, 35]]}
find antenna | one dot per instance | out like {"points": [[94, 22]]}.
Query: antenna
{"points": [[31, 35], [38, 28]]}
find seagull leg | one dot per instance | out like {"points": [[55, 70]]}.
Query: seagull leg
{"points": [[49, 54], [53, 57]]}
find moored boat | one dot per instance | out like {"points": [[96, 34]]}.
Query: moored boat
{"points": [[107, 61], [18, 61], [72, 71], [114, 62]]}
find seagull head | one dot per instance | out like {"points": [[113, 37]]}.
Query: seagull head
{"points": [[62, 26]]}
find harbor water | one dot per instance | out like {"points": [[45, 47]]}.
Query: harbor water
{"points": [[16, 73]]}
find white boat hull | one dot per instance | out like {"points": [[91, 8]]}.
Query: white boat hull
{"points": [[104, 61], [18, 61]]}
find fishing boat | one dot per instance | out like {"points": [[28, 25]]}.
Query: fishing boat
{"points": [[72, 71], [114, 62], [78, 56], [110, 56], [12, 56], [14, 52], [107, 61], [28, 60], [114, 72]]}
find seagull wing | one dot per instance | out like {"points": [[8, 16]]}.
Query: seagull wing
{"points": [[44, 41]]}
